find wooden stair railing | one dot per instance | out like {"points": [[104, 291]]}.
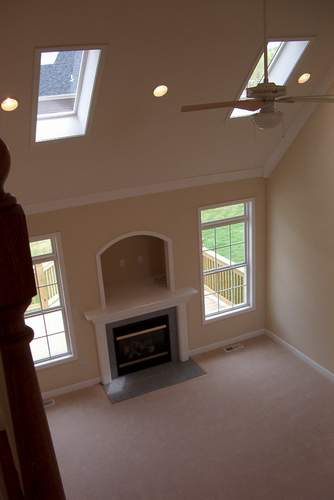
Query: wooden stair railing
{"points": [[37, 461], [10, 487]]}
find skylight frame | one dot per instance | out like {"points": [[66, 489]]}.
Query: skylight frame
{"points": [[307, 38], [69, 125]]}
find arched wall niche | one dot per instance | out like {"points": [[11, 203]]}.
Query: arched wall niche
{"points": [[133, 263]]}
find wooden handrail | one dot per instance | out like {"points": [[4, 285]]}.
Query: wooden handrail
{"points": [[10, 488], [37, 461]]}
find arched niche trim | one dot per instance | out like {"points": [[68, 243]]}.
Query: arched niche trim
{"points": [[168, 258]]}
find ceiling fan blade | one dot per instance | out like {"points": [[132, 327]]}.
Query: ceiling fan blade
{"points": [[306, 98], [248, 104]]}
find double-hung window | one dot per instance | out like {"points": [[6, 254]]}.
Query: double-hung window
{"points": [[226, 253], [47, 314]]}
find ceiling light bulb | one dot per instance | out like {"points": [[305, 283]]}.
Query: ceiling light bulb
{"points": [[9, 104], [304, 78], [160, 90]]}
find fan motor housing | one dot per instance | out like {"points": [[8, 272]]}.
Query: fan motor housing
{"points": [[266, 90]]}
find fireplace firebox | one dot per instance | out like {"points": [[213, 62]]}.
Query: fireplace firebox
{"points": [[142, 342]]}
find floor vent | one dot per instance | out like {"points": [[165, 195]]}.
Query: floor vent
{"points": [[233, 347]]}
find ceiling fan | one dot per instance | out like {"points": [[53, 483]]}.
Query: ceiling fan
{"points": [[263, 97]]}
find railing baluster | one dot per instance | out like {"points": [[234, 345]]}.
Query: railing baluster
{"points": [[37, 461]]}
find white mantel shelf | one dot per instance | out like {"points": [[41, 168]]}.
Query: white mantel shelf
{"points": [[136, 301], [139, 300]]}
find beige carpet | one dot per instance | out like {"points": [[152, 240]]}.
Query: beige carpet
{"points": [[259, 425]]}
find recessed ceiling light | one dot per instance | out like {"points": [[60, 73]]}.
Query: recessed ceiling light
{"points": [[160, 90], [9, 104], [304, 78]]}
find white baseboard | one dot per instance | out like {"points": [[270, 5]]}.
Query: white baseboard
{"points": [[225, 342], [324, 371], [70, 388]]}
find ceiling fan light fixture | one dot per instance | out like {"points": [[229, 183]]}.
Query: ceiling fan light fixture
{"points": [[304, 78], [267, 119]]}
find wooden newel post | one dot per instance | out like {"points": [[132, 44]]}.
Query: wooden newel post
{"points": [[38, 466]]}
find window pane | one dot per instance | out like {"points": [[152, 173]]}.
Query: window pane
{"points": [[45, 273], [224, 301], [223, 256], [209, 260], [223, 236], [58, 344], [233, 297], [239, 276], [37, 324], [225, 280], [238, 254], [241, 297], [237, 232], [49, 296], [58, 83], [39, 349], [41, 247], [54, 322], [208, 239], [35, 304], [211, 304], [221, 213]]}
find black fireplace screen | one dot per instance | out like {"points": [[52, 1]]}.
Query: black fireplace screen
{"points": [[142, 344]]}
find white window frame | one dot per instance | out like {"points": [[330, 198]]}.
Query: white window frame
{"points": [[275, 72], [250, 257], [65, 125], [58, 258]]}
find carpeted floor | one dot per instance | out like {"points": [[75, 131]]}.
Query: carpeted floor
{"points": [[258, 426]]}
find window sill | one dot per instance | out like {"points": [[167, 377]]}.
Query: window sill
{"points": [[228, 314], [54, 362], [51, 129]]}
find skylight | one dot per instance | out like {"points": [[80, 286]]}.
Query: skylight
{"points": [[283, 56], [65, 89]]}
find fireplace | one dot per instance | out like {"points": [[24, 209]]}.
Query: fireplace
{"points": [[142, 342], [142, 320]]}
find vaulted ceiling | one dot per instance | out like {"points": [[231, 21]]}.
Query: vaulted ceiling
{"points": [[202, 50]]}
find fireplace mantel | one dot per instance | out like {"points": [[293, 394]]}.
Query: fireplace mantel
{"points": [[136, 301]]}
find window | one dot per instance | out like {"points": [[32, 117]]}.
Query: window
{"points": [[226, 253], [65, 89], [47, 314], [282, 59]]}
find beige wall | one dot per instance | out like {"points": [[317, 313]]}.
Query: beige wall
{"points": [[301, 241], [85, 230]]}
